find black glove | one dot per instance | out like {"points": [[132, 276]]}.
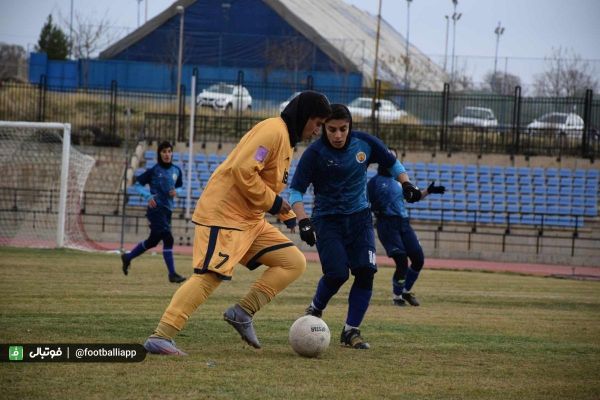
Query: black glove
{"points": [[435, 189], [412, 194], [290, 223], [307, 232]]}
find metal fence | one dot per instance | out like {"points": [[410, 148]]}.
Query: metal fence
{"points": [[430, 121]]}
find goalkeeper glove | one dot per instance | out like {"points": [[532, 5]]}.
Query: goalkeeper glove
{"points": [[412, 194], [307, 232], [435, 189]]}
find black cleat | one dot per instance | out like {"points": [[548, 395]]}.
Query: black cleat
{"points": [[176, 278], [399, 302], [353, 339], [310, 310], [126, 263], [410, 299]]}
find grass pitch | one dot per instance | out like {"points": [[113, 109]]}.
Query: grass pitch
{"points": [[476, 336]]}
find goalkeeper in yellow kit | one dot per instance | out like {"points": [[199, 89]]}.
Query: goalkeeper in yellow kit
{"points": [[231, 227]]}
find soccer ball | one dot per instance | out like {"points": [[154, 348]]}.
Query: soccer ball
{"points": [[309, 336]]}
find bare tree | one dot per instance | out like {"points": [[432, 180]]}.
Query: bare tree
{"points": [[566, 75], [292, 54], [13, 62], [501, 83], [89, 34]]}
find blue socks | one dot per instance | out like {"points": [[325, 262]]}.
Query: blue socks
{"points": [[358, 302], [324, 294], [137, 250], [411, 278], [168, 256]]}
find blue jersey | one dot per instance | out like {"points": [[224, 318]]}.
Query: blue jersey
{"points": [[386, 196], [339, 176], [161, 181]]}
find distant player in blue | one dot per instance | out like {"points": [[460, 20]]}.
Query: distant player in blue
{"points": [[395, 233], [165, 181], [341, 224]]}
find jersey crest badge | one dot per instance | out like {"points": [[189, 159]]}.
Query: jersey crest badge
{"points": [[361, 157]]}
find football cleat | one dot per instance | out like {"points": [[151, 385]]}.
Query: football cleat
{"points": [[353, 339], [399, 301], [162, 346], [410, 299], [126, 263], [176, 278], [242, 322], [315, 312]]}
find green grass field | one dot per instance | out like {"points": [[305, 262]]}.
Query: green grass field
{"points": [[476, 336]]}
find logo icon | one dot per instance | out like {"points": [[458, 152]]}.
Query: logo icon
{"points": [[361, 157], [15, 353]]}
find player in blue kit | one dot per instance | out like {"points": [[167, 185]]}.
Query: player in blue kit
{"points": [[165, 181], [341, 224], [395, 233]]}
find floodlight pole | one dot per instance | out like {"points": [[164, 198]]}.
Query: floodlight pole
{"points": [[375, 66], [180, 11], [498, 31], [455, 18], [446, 45], [407, 61]]}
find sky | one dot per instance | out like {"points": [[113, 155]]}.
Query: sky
{"points": [[533, 28]]}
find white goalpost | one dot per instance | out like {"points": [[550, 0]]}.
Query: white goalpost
{"points": [[42, 186]]}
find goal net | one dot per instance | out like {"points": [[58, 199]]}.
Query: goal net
{"points": [[42, 184]]}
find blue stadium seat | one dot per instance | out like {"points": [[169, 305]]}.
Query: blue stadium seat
{"points": [[484, 178], [538, 172], [485, 169], [485, 188], [565, 173], [511, 179], [176, 157], [150, 155], [200, 158], [497, 179], [512, 207], [551, 172], [579, 173], [471, 169], [539, 180], [523, 171]]}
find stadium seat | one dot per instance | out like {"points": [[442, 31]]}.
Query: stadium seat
{"points": [[150, 155]]}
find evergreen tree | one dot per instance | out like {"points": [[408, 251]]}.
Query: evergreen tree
{"points": [[53, 41]]}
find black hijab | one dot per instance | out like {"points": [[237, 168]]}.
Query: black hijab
{"points": [[161, 147], [308, 104]]}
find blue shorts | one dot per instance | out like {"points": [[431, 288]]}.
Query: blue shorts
{"points": [[397, 236], [345, 241], [159, 218]]}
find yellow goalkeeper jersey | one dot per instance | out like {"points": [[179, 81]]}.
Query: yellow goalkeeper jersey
{"points": [[245, 185]]}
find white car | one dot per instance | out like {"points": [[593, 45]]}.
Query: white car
{"points": [[386, 110], [566, 123], [476, 116], [225, 97], [285, 103]]}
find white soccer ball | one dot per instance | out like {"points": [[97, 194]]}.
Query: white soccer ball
{"points": [[309, 336]]}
